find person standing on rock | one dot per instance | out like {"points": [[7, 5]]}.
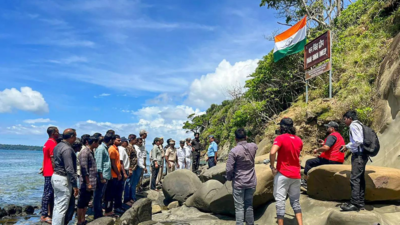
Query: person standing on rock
{"points": [[155, 164], [48, 165], [196, 152], [188, 153], [88, 177], [64, 179], [358, 163], [125, 163], [139, 169], [161, 173], [103, 164], [133, 159], [240, 170], [212, 152], [330, 149], [181, 154], [287, 171], [171, 157], [143, 135]]}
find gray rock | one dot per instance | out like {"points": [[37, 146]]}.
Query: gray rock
{"points": [[156, 209], [28, 209], [350, 218], [203, 197], [10, 209], [179, 185], [173, 205], [156, 197], [139, 212], [217, 172], [103, 221], [222, 201]]}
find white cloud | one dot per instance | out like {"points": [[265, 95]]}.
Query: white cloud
{"points": [[26, 129], [150, 24], [213, 87], [69, 60], [39, 120], [102, 95], [25, 100]]}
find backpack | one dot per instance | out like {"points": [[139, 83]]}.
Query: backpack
{"points": [[370, 144]]}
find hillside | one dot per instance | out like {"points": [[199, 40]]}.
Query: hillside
{"points": [[20, 147], [362, 36]]}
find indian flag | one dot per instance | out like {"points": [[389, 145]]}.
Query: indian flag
{"points": [[291, 41]]}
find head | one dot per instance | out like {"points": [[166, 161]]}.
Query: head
{"points": [[116, 140], [93, 142], [98, 136], [331, 127], [143, 134], [188, 141], [172, 143], [349, 117], [196, 135], [211, 138], [69, 135], [53, 132], [161, 140], [156, 141], [85, 138], [240, 135], [112, 132], [169, 139], [182, 143], [59, 139], [139, 142], [124, 142], [108, 139], [287, 126], [77, 144], [132, 139]]}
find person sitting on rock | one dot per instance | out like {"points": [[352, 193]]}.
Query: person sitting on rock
{"points": [[171, 157], [287, 171], [330, 149], [181, 154]]}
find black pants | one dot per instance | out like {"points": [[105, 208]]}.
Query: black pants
{"points": [[195, 161], [154, 174], [357, 179], [114, 194], [311, 163], [211, 162]]}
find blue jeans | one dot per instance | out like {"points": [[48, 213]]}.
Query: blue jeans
{"points": [[98, 196], [211, 162], [134, 182], [127, 189]]}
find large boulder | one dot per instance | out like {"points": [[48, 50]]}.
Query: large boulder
{"points": [[203, 197], [332, 182], [103, 221], [139, 212], [222, 202], [10, 210], [179, 185], [217, 172], [28, 210], [264, 147], [260, 159]]}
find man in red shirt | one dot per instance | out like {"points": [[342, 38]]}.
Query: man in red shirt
{"points": [[48, 164], [330, 149], [287, 172]]}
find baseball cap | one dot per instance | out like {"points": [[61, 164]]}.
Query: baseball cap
{"points": [[143, 132], [182, 141], [211, 136], [123, 139], [332, 124], [286, 122]]}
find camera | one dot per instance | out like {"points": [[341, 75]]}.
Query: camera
{"points": [[341, 149]]}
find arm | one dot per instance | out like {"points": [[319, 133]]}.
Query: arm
{"points": [[154, 154], [140, 156], [84, 162], [99, 162], [272, 157], [357, 135], [215, 152], [115, 168], [230, 165], [52, 156], [67, 156], [330, 141]]}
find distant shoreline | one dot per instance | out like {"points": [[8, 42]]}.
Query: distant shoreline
{"points": [[21, 147]]}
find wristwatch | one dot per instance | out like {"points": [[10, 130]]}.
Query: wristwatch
{"points": [[272, 167]]}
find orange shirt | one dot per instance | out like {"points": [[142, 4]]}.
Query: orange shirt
{"points": [[114, 154]]}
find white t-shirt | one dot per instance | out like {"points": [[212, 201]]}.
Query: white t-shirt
{"points": [[181, 152], [123, 156], [141, 155], [188, 151]]}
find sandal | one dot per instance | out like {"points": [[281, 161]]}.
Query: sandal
{"points": [[46, 220]]}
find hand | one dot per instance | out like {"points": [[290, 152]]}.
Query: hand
{"points": [[215, 161], [343, 148], [274, 171], [89, 187], [76, 192], [119, 177], [156, 165], [130, 172], [169, 165], [315, 151], [145, 170], [321, 142], [103, 181], [177, 166], [125, 177]]}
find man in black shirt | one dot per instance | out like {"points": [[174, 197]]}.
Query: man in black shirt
{"points": [[196, 148]]}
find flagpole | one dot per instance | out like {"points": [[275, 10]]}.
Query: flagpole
{"points": [[306, 91], [330, 71]]}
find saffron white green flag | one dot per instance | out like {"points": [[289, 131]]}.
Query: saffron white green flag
{"points": [[291, 41]]}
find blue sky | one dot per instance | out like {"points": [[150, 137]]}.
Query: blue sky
{"points": [[122, 65]]}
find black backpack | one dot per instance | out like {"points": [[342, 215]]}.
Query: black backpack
{"points": [[370, 144]]}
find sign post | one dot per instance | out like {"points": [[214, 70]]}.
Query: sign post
{"points": [[315, 52]]}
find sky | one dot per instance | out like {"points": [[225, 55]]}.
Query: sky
{"points": [[124, 65]]}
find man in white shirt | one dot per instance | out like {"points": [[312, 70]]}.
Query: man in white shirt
{"points": [[358, 163], [125, 162], [180, 152], [188, 153]]}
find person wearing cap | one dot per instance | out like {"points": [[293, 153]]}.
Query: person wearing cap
{"points": [[287, 171], [330, 150], [181, 154], [212, 152], [156, 162], [188, 153], [171, 157], [161, 173], [125, 163]]}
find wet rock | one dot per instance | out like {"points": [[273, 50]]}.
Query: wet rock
{"points": [[217, 172], [28, 209], [139, 212], [3, 213], [145, 182], [179, 185], [155, 209], [10, 210], [103, 221], [173, 205], [18, 210]]}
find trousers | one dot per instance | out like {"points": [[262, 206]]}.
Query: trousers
{"points": [[284, 186], [48, 196], [97, 198], [154, 173], [62, 196], [244, 205], [357, 179], [134, 182], [311, 163], [195, 161]]}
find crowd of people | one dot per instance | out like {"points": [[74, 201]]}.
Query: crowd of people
{"points": [[103, 172]]}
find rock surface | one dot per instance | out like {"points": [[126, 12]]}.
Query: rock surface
{"points": [[304, 160], [3, 213], [28, 210], [332, 182], [179, 185], [173, 205], [217, 172], [103, 221], [260, 159], [203, 197], [264, 147], [155, 209], [139, 212], [10, 210]]}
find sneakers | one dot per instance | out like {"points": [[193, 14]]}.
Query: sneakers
{"points": [[304, 183], [347, 207]]}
